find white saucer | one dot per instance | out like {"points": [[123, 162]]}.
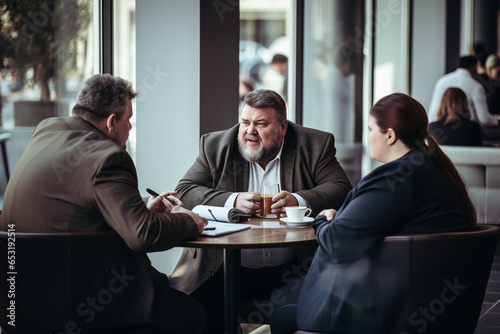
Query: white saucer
{"points": [[306, 221]]}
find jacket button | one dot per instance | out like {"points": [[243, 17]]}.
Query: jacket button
{"points": [[211, 273]]}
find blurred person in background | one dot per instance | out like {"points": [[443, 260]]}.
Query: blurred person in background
{"points": [[491, 83], [454, 126], [464, 78]]}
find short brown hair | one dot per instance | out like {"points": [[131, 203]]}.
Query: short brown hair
{"points": [[102, 95], [266, 98]]}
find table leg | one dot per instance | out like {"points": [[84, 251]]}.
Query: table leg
{"points": [[232, 261]]}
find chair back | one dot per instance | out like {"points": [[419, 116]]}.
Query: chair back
{"points": [[441, 277], [64, 282], [430, 283]]}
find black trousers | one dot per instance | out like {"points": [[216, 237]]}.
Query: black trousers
{"points": [[174, 311], [256, 287], [283, 319]]}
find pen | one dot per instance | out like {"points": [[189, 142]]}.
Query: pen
{"points": [[152, 192], [209, 228], [212, 216], [155, 194]]}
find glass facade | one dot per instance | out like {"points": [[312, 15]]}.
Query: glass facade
{"points": [[124, 55], [333, 64], [264, 49], [47, 51]]}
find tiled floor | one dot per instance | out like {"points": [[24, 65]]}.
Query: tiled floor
{"points": [[489, 322]]}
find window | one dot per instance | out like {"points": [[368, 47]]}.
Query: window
{"points": [[47, 52], [124, 54], [333, 58], [264, 45]]}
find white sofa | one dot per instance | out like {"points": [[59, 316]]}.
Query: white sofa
{"points": [[480, 168]]}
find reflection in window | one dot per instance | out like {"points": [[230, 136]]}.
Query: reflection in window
{"points": [[264, 45], [332, 49], [46, 52], [333, 72], [124, 54]]}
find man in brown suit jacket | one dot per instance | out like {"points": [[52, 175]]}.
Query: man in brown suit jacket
{"points": [[264, 146], [76, 176]]}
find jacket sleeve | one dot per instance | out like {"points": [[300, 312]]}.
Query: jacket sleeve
{"points": [[362, 223], [116, 196], [200, 184]]}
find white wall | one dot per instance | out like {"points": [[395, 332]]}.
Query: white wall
{"points": [[428, 54], [168, 39]]}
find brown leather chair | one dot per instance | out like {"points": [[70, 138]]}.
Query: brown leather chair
{"points": [[435, 283], [61, 282]]}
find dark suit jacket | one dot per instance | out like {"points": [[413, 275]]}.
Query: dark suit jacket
{"points": [[409, 195], [72, 178], [308, 167]]}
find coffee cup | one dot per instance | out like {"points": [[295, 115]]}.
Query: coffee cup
{"points": [[297, 213]]}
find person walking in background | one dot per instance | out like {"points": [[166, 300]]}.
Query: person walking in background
{"points": [[279, 63], [454, 126]]}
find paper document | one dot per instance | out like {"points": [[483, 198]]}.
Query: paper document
{"points": [[223, 228], [221, 214]]}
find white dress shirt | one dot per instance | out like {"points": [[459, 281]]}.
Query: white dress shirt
{"points": [[476, 97], [265, 257]]}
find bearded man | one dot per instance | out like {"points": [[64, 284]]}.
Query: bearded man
{"points": [[263, 147]]}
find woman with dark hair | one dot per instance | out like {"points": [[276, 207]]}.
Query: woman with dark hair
{"points": [[417, 190], [454, 126]]}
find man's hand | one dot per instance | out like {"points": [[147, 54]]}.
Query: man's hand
{"points": [[282, 199], [164, 203], [200, 221], [329, 213], [248, 202]]}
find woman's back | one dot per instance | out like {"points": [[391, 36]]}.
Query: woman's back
{"points": [[462, 132]]}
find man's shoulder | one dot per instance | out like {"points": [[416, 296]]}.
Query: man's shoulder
{"points": [[449, 77], [303, 131], [75, 134], [221, 136]]}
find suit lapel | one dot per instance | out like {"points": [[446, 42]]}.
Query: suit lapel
{"points": [[241, 172], [287, 163]]}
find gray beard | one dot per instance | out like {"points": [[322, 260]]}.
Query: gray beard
{"points": [[263, 154]]}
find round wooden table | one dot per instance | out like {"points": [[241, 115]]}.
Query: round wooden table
{"points": [[266, 233]]}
